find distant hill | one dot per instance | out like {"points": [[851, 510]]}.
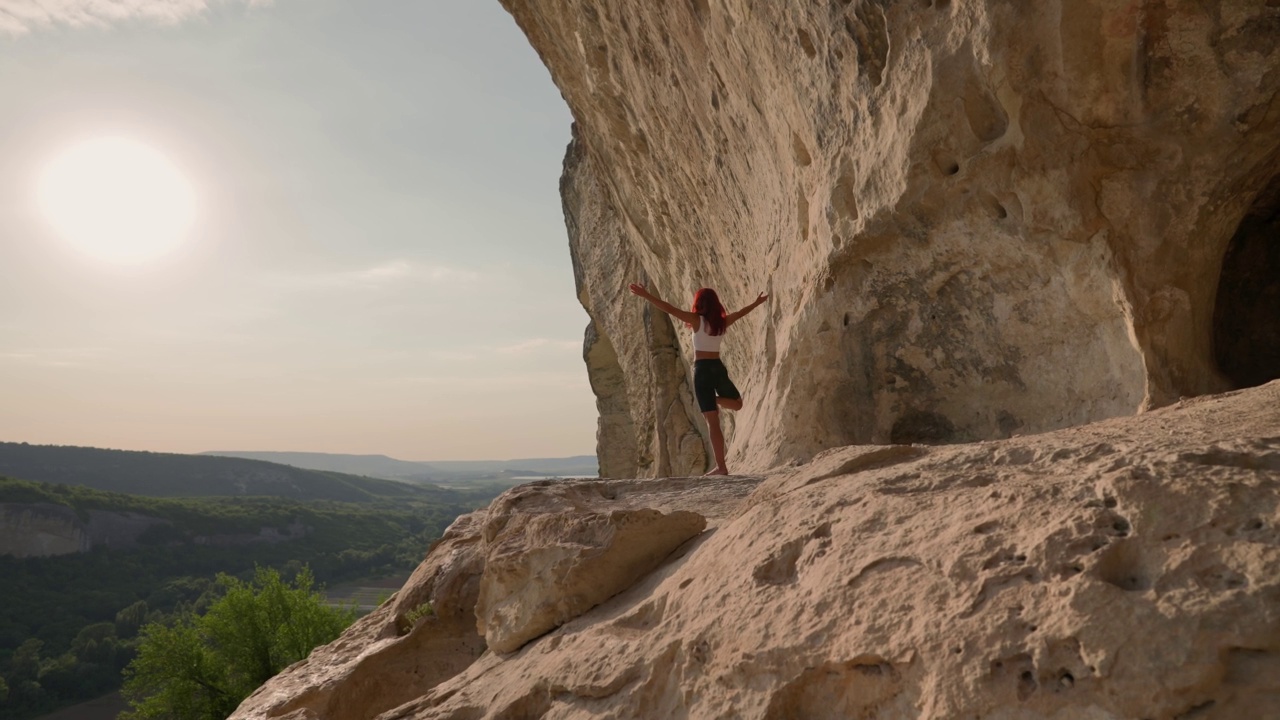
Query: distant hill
{"points": [[379, 466], [173, 475], [433, 471]]}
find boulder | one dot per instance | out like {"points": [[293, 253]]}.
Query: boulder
{"points": [[543, 570]]}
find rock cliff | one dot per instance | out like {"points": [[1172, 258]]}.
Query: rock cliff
{"points": [[976, 217], [44, 529], [1124, 569]]}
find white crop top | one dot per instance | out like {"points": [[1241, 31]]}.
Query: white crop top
{"points": [[704, 341]]}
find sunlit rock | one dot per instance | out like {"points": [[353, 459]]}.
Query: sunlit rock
{"points": [[977, 219]]}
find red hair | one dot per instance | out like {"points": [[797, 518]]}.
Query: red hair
{"points": [[707, 304]]}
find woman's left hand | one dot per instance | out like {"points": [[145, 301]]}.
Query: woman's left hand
{"points": [[761, 298]]}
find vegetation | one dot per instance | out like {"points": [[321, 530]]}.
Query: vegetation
{"points": [[202, 666], [412, 617], [174, 475], [419, 612], [69, 624], [451, 473]]}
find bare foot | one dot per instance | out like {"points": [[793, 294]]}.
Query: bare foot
{"points": [[717, 471]]}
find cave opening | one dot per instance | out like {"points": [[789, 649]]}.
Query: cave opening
{"points": [[1246, 314]]}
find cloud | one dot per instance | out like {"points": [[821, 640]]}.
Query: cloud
{"points": [[51, 357], [528, 346], [386, 274], [19, 17], [489, 383], [390, 271]]}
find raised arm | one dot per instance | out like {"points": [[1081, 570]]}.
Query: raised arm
{"points": [[735, 317], [664, 306]]}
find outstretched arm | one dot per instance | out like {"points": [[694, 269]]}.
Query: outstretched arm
{"points": [[664, 306], [734, 317]]}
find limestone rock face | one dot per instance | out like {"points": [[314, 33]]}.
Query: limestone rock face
{"points": [[1124, 569], [976, 218], [40, 530], [45, 529]]}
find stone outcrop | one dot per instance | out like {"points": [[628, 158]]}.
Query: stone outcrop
{"points": [[40, 530], [539, 556], [976, 218], [1124, 569], [45, 529]]}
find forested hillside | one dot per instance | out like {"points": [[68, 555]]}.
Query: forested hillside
{"points": [[174, 475], [452, 472], [68, 623]]}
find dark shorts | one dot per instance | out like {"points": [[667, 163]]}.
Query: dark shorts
{"points": [[711, 379]]}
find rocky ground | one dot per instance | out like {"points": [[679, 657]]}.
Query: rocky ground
{"points": [[1124, 569]]}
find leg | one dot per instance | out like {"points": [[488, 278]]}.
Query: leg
{"points": [[727, 393], [729, 403], [717, 442]]}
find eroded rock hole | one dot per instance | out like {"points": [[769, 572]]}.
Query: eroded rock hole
{"points": [[922, 427], [1246, 314], [859, 688], [802, 212], [844, 196], [1026, 684], [701, 9], [1122, 566], [869, 30], [800, 151], [806, 42], [780, 568]]}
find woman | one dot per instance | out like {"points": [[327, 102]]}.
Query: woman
{"points": [[711, 383]]}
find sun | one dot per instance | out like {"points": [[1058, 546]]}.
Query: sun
{"points": [[117, 200]]}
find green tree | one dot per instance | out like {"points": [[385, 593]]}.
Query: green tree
{"points": [[25, 663], [130, 620], [203, 666], [4, 690], [96, 643]]}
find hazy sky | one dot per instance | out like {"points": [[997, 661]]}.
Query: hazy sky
{"points": [[378, 262]]}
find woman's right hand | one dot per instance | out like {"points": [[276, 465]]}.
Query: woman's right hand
{"points": [[638, 289]]}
